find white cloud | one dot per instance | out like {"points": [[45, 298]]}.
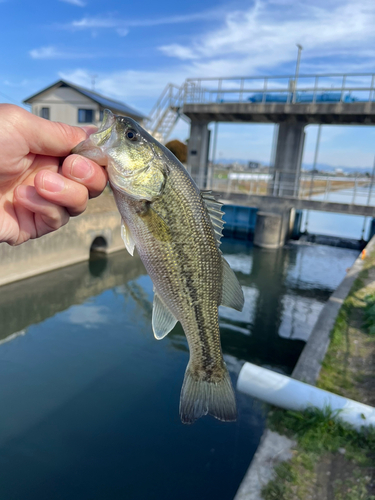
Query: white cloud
{"points": [[122, 31], [175, 50], [130, 86], [54, 53], [88, 315], [266, 35], [78, 3], [111, 22], [337, 36], [94, 22]]}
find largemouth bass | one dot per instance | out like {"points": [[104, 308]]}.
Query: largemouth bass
{"points": [[176, 230]]}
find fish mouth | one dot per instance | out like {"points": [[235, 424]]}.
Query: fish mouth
{"points": [[90, 147], [96, 147], [108, 121]]}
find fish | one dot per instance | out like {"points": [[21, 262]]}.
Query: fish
{"points": [[176, 230]]}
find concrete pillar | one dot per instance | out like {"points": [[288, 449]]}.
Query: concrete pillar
{"points": [[272, 230], [289, 150], [198, 148]]}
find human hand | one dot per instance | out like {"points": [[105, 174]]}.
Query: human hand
{"points": [[37, 195]]}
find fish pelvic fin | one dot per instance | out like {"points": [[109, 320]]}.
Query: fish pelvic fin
{"points": [[232, 294], [163, 320], [127, 238], [202, 395]]}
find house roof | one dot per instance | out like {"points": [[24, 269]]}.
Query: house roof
{"points": [[102, 100]]}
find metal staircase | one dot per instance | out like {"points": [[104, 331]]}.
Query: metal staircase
{"points": [[167, 110]]}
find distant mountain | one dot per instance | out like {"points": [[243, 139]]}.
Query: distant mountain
{"points": [[225, 161], [330, 168]]}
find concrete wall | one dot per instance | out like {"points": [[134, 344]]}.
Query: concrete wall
{"points": [[340, 113], [66, 246], [26, 303], [289, 151], [198, 148]]}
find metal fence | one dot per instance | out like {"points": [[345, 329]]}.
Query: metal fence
{"points": [[323, 88], [359, 190], [301, 89]]}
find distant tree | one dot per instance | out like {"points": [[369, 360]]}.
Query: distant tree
{"points": [[179, 149]]}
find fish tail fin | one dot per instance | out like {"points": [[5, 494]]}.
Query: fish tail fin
{"points": [[200, 396]]}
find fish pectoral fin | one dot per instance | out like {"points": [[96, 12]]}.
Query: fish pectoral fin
{"points": [[232, 294], [163, 320], [127, 237]]}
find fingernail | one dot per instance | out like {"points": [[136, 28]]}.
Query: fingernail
{"points": [[81, 169], [23, 191], [52, 182]]}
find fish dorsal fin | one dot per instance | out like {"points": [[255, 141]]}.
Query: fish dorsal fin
{"points": [[215, 213], [126, 235], [232, 294], [163, 320]]}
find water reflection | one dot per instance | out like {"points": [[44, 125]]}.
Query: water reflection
{"points": [[89, 399], [32, 301]]}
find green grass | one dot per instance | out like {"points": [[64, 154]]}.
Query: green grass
{"points": [[292, 479], [318, 432], [369, 313]]}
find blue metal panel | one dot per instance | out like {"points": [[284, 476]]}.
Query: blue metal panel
{"points": [[372, 229], [239, 220], [296, 233]]}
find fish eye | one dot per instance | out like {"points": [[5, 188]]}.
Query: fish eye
{"points": [[131, 134]]}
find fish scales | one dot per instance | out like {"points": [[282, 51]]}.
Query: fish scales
{"points": [[166, 218], [185, 266]]}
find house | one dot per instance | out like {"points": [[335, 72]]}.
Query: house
{"points": [[68, 103]]}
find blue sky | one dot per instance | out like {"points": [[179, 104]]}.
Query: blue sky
{"points": [[135, 48]]}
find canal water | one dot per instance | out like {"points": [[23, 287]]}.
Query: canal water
{"points": [[89, 399]]}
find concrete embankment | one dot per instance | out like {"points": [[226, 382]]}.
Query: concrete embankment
{"points": [[272, 449], [71, 244]]}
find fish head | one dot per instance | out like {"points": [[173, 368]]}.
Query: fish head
{"points": [[133, 159]]}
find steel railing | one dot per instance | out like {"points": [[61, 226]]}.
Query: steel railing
{"points": [[315, 89], [328, 87], [167, 110], [351, 190]]}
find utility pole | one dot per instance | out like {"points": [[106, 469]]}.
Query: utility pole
{"points": [[93, 78], [315, 160], [300, 48], [369, 198]]}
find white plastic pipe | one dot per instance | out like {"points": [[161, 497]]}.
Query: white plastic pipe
{"points": [[285, 392]]}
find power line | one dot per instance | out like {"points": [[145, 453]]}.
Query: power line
{"points": [[9, 98]]}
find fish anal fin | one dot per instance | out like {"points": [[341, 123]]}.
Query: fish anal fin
{"points": [[216, 214], [127, 238], [232, 294], [200, 397], [163, 320]]}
